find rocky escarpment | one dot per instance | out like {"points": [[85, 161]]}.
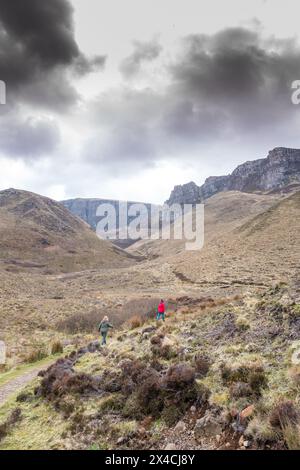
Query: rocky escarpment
{"points": [[281, 168], [86, 209]]}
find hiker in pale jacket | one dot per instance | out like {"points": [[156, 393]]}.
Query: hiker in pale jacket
{"points": [[103, 328]]}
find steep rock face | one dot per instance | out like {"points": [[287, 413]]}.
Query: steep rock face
{"points": [[186, 193], [86, 209], [213, 185], [279, 169]]}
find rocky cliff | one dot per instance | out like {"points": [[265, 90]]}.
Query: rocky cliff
{"points": [[86, 209], [281, 168]]}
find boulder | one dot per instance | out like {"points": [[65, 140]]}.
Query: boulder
{"points": [[208, 426], [247, 412], [180, 426]]}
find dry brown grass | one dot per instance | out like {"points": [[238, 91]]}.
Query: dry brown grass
{"points": [[294, 375], [284, 414], [36, 355], [291, 435], [136, 321], [57, 348], [135, 311]]}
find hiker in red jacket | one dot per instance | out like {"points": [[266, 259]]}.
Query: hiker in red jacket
{"points": [[161, 310]]}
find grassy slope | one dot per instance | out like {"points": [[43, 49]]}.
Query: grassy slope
{"points": [[240, 332], [38, 233]]}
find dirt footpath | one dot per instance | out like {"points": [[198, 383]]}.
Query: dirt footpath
{"points": [[18, 383]]}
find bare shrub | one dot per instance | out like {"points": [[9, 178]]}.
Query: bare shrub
{"points": [[179, 376], [145, 307], [152, 393], [88, 322], [136, 321], [250, 374], [202, 365], [60, 379], [284, 414], [57, 348], [14, 417], [36, 355], [291, 436], [80, 322], [240, 389], [261, 431]]}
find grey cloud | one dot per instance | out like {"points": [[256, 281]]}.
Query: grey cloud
{"points": [[37, 43], [227, 88], [38, 58], [28, 138], [83, 66], [143, 52], [237, 70]]}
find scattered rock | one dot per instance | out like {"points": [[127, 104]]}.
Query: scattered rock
{"points": [[180, 426], [170, 446], [247, 412], [208, 426], [122, 440]]}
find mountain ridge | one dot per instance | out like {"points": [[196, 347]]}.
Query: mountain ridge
{"points": [[38, 232], [279, 169]]}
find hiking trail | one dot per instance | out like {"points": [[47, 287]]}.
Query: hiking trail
{"points": [[18, 383]]}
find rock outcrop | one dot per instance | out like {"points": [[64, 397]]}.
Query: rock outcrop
{"points": [[187, 193], [280, 169], [86, 209]]}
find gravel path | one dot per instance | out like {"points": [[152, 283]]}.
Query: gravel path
{"points": [[18, 384]]}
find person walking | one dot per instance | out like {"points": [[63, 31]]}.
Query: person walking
{"points": [[104, 326], [161, 310]]}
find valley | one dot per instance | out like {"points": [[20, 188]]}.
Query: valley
{"points": [[225, 351]]}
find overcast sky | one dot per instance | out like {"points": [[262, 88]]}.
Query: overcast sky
{"points": [[125, 99]]}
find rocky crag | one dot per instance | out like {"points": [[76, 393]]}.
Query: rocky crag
{"points": [[280, 169]]}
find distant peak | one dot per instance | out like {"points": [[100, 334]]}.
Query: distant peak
{"points": [[283, 152]]}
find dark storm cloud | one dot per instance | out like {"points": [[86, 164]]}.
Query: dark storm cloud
{"points": [[38, 58], [45, 29], [237, 71], [38, 47], [233, 86], [143, 52]]}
